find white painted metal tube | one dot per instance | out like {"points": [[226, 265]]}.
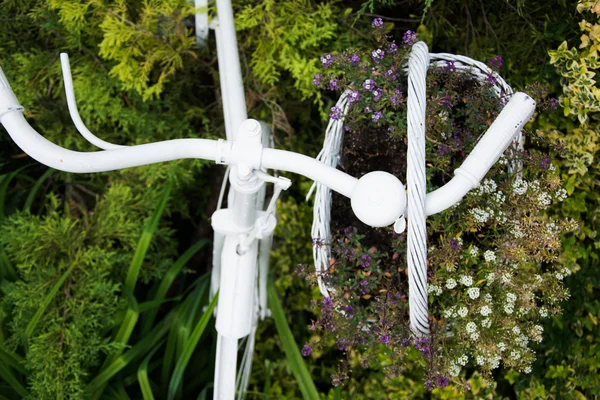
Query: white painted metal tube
{"points": [[229, 131], [230, 70], [62, 159], [311, 168], [225, 368], [488, 150], [72, 104]]}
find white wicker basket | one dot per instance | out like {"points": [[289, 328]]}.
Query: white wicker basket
{"points": [[419, 62]]}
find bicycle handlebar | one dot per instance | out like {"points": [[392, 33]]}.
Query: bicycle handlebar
{"points": [[508, 124]]}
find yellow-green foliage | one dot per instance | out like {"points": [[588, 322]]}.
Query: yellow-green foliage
{"points": [[287, 36], [578, 67]]}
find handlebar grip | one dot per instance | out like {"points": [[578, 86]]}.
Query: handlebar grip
{"points": [[498, 137]]}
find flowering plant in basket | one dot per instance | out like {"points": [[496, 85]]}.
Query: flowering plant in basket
{"points": [[493, 259]]}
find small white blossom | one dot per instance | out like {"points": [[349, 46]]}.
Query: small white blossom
{"points": [[508, 308], [480, 215], [434, 289], [559, 276], [560, 194], [511, 297], [506, 277], [454, 370], [463, 311], [527, 370], [489, 256], [489, 186], [522, 340], [515, 355], [543, 312], [544, 199], [490, 278], [466, 280], [488, 298], [535, 185], [498, 197], [519, 186], [494, 361], [480, 360], [516, 330], [450, 312], [471, 327], [473, 292], [501, 346], [474, 336], [450, 283], [486, 323], [516, 231], [463, 360], [474, 251], [485, 311]]}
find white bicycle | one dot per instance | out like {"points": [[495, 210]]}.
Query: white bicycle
{"points": [[243, 231]]}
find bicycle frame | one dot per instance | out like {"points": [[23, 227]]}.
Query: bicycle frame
{"points": [[243, 232]]}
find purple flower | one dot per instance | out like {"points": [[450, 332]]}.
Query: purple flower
{"points": [[354, 59], [554, 103], [333, 84], [545, 164], [349, 310], [363, 286], [450, 67], [446, 101], [392, 48], [327, 304], [385, 339], [377, 115], [369, 84], [442, 381], [341, 344], [377, 54], [317, 79], [377, 93], [365, 261], [409, 38], [396, 98], [327, 60], [405, 342], [306, 350], [336, 113], [354, 96], [367, 109], [496, 62], [455, 244], [491, 79], [377, 23]]}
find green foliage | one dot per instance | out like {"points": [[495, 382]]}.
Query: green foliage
{"points": [[287, 36]]}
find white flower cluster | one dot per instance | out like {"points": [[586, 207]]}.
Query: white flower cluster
{"points": [[450, 283], [471, 327], [516, 231], [480, 215], [498, 197], [544, 199], [486, 323], [473, 292], [480, 360], [490, 278], [474, 251], [506, 277], [489, 256], [527, 370], [502, 346], [560, 194], [485, 311], [454, 369], [434, 289], [536, 333], [494, 361], [515, 355], [562, 273], [466, 280], [450, 312], [522, 340], [462, 360], [488, 186], [520, 186], [488, 298], [509, 307], [543, 312], [463, 311]]}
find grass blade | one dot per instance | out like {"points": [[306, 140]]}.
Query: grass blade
{"points": [[142, 247], [137, 351], [292, 353], [38, 314], [12, 360], [14, 383], [36, 188], [142, 374], [190, 346], [168, 279]]}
